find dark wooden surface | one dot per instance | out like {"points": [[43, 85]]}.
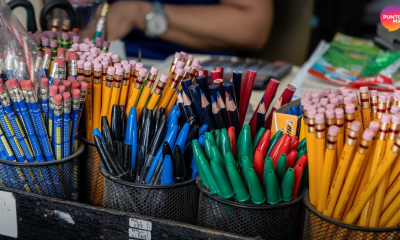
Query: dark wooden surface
{"points": [[37, 220]]}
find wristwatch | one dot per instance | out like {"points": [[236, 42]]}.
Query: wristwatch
{"points": [[156, 21]]}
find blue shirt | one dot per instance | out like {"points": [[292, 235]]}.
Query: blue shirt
{"points": [[157, 48]]}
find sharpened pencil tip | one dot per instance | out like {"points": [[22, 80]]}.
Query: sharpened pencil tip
{"points": [[262, 100], [201, 92]]}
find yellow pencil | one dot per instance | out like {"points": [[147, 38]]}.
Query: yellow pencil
{"points": [[158, 90], [136, 89], [357, 112], [134, 76], [379, 152], [392, 192], [107, 92], [354, 171], [365, 105], [104, 65], [144, 97], [394, 221], [186, 74], [388, 102], [88, 106], [175, 79], [312, 165], [97, 96], [176, 63], [339, 115], [319, 146], [349, 115], [125, 85], [327, 170], [116, 91], [369, 189], [374, 103], [343, 165]]}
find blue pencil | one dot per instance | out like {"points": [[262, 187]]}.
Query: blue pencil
{"points": [[57, 127], [44, 100]]}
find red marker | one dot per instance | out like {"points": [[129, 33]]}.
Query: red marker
{"points": [[259, 164], [290, 159], [298, 173], [264, 142]]}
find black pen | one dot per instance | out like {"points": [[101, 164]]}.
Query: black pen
{"points": [[179, 165], [123, 132], [116, 131], [143, 145], [105, 131]]}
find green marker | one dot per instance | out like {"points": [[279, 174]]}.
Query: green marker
{"points": [[280, 168], [241, 192], [246, 166], [204, 167], [229, 159], [256, 191], [207, 148], [218, 139], [258, 137], [225, 143], [274, 195], [288, 185], [269, 165], [216, 156], [273, 141], [238, 143], [302, 144], [222, 181], [210, 137], [299, 154], [245, 146]]}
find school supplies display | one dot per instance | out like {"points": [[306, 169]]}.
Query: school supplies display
{"points": [[353, 148]]}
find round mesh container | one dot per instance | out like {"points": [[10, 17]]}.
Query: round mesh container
{"points": [[92, 181], [57, 179], [177, 202], [280, 221], [319, 226]]}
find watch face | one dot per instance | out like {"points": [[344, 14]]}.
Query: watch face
{"points": [[157, 25]]}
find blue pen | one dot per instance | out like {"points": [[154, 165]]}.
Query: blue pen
{"points": [[167, 176], [66, 124], [193, 165], [76, 93], [182, 136], [203, 129], [58, 127], [131, 135], [170, 138], [294, 110], [173, 110], [300, 110], [44, 100]]}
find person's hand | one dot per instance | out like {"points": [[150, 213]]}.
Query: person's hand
{"points": [[123, 16]]}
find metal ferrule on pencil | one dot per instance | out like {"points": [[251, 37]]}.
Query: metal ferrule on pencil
{"points": [[311, 125], [320, 131], [125, 79], [365, 100], [96, 77], [173, 65], [38, 64], [330, 142], [81, 71], [159, 88], [329, 122], [134, 75], [117, 81], [87, 75], [151, 78], [374, 104], [381, 109], [58, 110], [192, 73], [46, 61], [305, 114], [51, 102], [339, 124], [105, 74], [351, 139], [175, 80], [396, 146], [355, 108], [44, 93], [67, 107], [61, 73], [382, 132], [109, 80], [21, 70], [393, 131], [75, 103], [82, 98], [72, 68], [5, 100], [54, 72], [139, 82], [349, 118], [364, 145]]}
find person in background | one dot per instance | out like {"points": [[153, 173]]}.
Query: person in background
{"points": [[161, 28]]}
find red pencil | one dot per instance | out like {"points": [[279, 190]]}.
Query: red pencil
{"points": [[277, 105], [214, 75], [245, 94], [269, 95], [285, 98], [232, 139]]}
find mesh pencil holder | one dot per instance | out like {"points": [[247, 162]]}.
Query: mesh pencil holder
{"points": [[319, 226], [92, 180], [280, 221], [57, 178], [177, 202]]}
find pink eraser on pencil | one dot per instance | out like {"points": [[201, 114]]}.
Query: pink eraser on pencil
{"points": [[187, 68], [76, 93], [394, 109], [127, 68], [73, 56], [84, 86], [335, 91], [61, 62], [319, 118], [44, 83], [317, 105], [53, 43], [195, 66], [308, 94], [86, 48], [196, 61], [104, 64], [324, 100], [132, 63], [334, 101], [111, 70], [79, 78], [67, 97], [47, 51], [178, 55], [82, 57], [53, 90], [67, 84], [341, 89], [119, 71], [22, 83], [330, 113], [180, 64], [330, 106], [326, 91], [190, 57], [143, 72], [333, 131], [363, 89], [70, 79], [382, 98], [183, 54], [154, 70], [368, 135], [311, 113], [58, 99], [374, 126], [355, 126], [389, 98], [386, 118], [109, 54], [75, 47], [13, 82], [321, 110], [61, 89], [28, 84], [124, 62], [90, 58], [350, 108], [97, 67], [80, 63], [64, 36], [345, 92], [87, 66], [340, 98], [56, 82], [331, 95], [348, 100], [60, 51], [179, 71], [164, 78], [94, 50], [114, 58], [315, 100], [75, 39], [138, 66], [44, 41], [315, 95], [106, 44], [76, 85], [117, 65], [86, 40], [353, 95], [373, 93], [396, 118]]}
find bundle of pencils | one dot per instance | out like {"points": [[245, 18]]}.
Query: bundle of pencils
{"points": [[353, 149], [266, 170], [153, 149]]}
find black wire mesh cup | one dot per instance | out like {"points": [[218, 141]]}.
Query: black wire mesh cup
{"points": [[177, 202], [280, 221], [319, 226], [92, 180], [57, 178]]}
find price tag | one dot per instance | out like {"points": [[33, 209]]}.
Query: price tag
{"points": [[8, 215], [139, 234], [140, 224]]}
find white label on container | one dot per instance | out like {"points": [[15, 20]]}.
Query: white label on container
{"points": [[139, 234], [140, 224], [8, 215]]}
